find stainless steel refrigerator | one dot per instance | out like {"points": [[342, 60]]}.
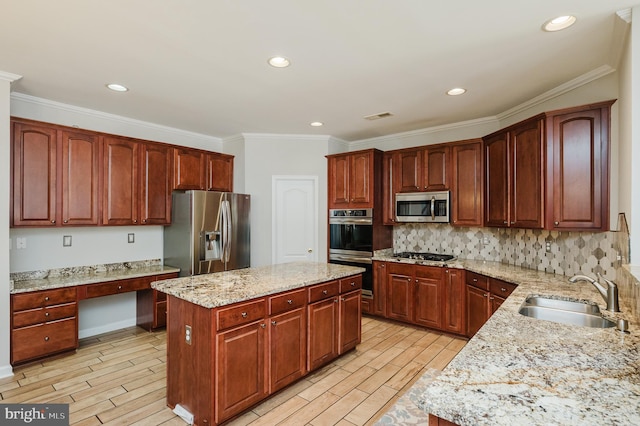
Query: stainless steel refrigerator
{"points": [[209, 232]]}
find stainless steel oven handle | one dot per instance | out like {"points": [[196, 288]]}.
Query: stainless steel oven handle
{"points": [[354, 259], [350, 221], [433, 208]]}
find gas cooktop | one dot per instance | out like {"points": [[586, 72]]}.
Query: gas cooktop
{"points": [[425, 256]]}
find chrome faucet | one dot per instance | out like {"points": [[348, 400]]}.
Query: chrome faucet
{"points": [[610, 294]]}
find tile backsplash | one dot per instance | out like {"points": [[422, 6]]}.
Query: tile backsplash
{"points": [[563, 253]]}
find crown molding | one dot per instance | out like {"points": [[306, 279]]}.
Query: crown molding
{"points": [[425, 131], [284, 136], [21, 97], [7, 76], [625, 14], [570, 85]]}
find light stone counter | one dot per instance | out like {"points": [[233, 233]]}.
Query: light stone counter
{"points": [[81, 275], [520, 370], [225, 288]]}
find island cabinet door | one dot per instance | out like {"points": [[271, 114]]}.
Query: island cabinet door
{"points": [[288, 345], [322, 332], [240, 369], [350, 321]]}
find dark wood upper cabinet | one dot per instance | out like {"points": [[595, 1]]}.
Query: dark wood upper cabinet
{"points": [[578, 168], [408, 170], [189, 169], [155, 183], [120, 181], [34, 175], [389, 190], [437, 162], [80, 174], [466, 188], [352, 179], [219, 173], [514, 176]]}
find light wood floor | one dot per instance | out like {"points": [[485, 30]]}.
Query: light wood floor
{"points": [[119, 379]]}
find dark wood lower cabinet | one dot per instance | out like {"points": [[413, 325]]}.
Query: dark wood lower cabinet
{"points": [[400, 292], [322, 332], [428, 297], [437, 421], [484, 296], [350, 321], [454, 301], [288, 348], [240, 369]]}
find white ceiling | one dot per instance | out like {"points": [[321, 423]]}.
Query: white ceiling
{"points": [[201, 65]]}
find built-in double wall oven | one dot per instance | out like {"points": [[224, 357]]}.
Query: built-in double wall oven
{"points": [[351, 242]]}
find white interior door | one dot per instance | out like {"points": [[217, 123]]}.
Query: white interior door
{"points": [[295, 218]]}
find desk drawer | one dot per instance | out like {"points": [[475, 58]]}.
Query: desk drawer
{"points": [[42, 315], [116, 287], [323, 291], [43, 339], [40, 299], [243, 313]]}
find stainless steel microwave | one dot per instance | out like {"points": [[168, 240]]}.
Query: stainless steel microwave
{"points": [[423, 207]]}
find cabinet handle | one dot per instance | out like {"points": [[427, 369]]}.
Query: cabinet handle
{"points": [[325, 292], [475, 280], [274, 322], [491, 298], [289, 301], [244, 314], [556, 223], [46, 339]]}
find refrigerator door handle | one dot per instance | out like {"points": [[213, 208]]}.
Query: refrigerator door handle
{"points": [[226, 229]]}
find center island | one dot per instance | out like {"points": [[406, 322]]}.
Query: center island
{"points": [[236, 337]]}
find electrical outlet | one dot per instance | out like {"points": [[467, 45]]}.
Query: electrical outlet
{"points": [[485, 241], [547, 246], [66, 241], [21, 243], [131, 238], [187, 334]]}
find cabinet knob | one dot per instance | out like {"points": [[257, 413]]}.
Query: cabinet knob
{"points": [[353, 284], [65, 221], [144, 220], [135, 221], [274, 322], [335, 300], [263, 325], [325, 292], [513, 223], [502, 289], [46, 314], [119, 287], [556, 223], [244, 314], [505, 222], [289, 301], [416, 281], [491, 298], [485, 295], [46, 339], [53, 221], [343, 299], [475, 280]]}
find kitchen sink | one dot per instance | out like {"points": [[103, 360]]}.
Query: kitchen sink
{"points": [[565, 311]]}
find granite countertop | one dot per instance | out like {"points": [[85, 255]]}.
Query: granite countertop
{"points": [[521, 370], [225, 288], [73, 276]]}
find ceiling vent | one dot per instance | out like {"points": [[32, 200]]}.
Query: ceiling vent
{"points": [[378, 116]]}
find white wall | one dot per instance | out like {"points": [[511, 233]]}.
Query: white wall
{"points": [[5, 164], [269, 155]]}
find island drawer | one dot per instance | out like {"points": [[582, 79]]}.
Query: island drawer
{"points": [[501, 288], [287, 301], [243, 313], [46, 314], [350, 283], [323, 291], [40, 299], [477, 280]]}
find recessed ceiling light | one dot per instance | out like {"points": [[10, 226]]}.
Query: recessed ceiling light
{"points": [[279, 62], [316, 124], [559, 23], [456, 91], [117, 87]]}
